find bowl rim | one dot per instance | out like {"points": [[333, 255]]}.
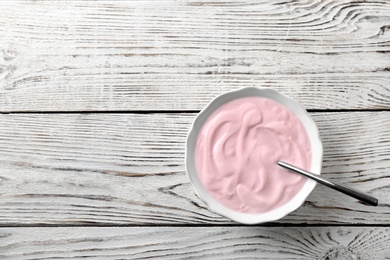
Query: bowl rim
{"points": [[253, 218]]}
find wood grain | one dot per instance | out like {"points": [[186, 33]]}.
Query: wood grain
{"points": [[177, 55], [95, 169], [73, 170], [326, 243]]}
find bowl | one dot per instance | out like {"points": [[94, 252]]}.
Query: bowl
{"points": [[244, 217]]}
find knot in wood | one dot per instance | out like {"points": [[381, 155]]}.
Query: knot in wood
{"points": [[341, 253]]}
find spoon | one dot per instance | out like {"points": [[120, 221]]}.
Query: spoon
{"points": [[366, 198]]}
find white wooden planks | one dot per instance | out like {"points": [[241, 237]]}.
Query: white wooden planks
{"points": [[195, 243], [129, 169], [177, 55], [84, 169]]}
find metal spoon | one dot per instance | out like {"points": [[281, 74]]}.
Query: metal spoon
{"points": [[366, 198]]}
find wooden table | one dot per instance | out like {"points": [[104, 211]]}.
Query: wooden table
{"points": [[96, 99]]}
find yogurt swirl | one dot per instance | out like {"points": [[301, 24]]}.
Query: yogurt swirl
{"points": [[237, 151]]}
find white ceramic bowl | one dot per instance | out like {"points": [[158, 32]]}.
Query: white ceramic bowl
{"points": [[295, 202]]}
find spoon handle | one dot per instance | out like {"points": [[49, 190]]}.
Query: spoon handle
{"points": [[366, 198]]}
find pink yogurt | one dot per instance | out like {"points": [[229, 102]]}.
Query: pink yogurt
{"points": [[237, 151]]}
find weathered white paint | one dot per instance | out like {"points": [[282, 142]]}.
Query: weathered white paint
{"points": [[177, 55], [195, 243], [129, 169]]}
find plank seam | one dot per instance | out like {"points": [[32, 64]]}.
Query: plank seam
{"points": [[192, 225], [179, 111]]}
